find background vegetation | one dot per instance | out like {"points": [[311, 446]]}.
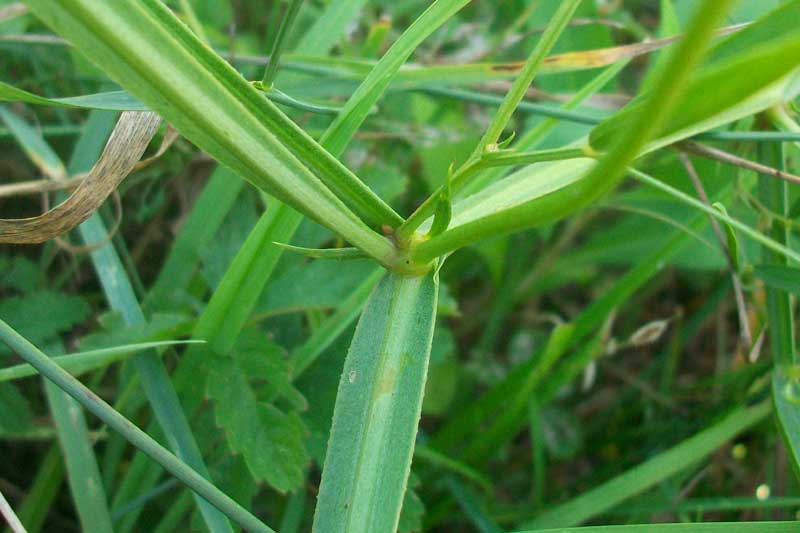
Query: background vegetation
{"points": [[632, 363]]}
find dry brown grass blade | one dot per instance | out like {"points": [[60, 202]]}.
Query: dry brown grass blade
{"points": [[125, 147], [40, 186], [606, 56]]}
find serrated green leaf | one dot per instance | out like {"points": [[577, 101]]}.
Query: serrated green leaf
{"points": [[270, 440], [43, 314]]}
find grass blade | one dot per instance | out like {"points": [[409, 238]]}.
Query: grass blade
{"points": [[81, 362], [83, 474], [652, 471], [378, 406]]}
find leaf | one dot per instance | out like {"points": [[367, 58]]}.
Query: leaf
{"points": [[779, 277], [270, 440], [41, 315], [378, 408], [324, 253], [110, 101]]}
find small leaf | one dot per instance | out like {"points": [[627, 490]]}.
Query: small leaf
{"points": [[779, 277], [444, 208], [730, 234], [324, 253]]}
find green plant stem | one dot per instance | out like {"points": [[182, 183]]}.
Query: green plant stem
{"points": [[609, 171], [501, 118], [525, 77], [757, 236], [279, 43], [582, 118], [93, 403]]}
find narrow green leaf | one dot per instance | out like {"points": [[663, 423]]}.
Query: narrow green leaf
{"points": [[322, 36], [444, 207], [526, 76], [81, 362], [640, 478], [110, 101], [324, 253], [41, 493], [83, 474], [280, 39], [377, 408]]}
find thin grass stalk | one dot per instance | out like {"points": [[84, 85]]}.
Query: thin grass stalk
{"points": [[279, 43], [120, 296], [503, 115], [93, 403], [604, 176]]}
